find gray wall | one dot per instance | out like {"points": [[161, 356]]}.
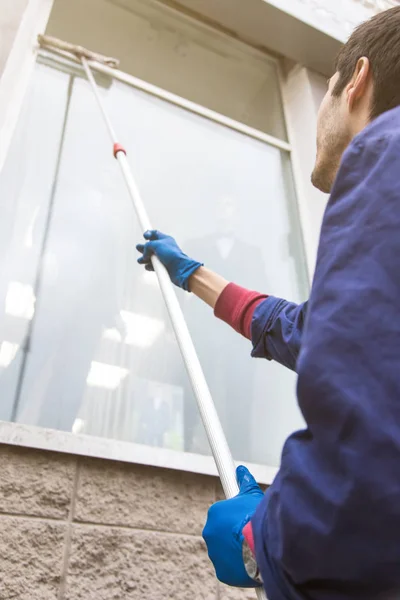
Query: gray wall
{"points": [[74, 528]]}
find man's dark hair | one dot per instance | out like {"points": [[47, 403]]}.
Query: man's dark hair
{"points": [[379, 40]]}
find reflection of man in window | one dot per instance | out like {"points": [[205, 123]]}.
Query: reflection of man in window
{"points": [[217, 346]]}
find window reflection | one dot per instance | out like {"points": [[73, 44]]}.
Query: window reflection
{"points": [[141, 330], [105, 376], [8, 350], [20, 300]]}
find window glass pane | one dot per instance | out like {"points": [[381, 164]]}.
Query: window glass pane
{"points": [[103, 359]]}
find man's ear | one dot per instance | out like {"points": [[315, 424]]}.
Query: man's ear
{"points": [[358, 86]]}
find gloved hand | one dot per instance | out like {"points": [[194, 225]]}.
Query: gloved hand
{"points": [[179, 266], [223, 532]]}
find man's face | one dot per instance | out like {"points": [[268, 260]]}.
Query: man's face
{"points": [[227, 216], [333, 137]]}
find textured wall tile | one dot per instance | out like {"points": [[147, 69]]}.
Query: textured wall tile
{"points": [[143, 497], [219, 493], [120, 564], [31, 553], [35, 483], [228, 593]]}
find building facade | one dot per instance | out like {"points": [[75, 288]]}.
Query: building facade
{"points": [[107, 474]]}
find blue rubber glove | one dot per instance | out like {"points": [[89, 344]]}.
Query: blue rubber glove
{"points": [[223, 532], [179, 266]]}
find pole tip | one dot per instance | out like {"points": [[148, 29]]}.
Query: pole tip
{"points": [[118, 148]]}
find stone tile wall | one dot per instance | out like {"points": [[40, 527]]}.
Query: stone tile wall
{"points": [[80, 529]]}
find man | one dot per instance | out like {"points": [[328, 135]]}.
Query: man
{"points": [[329, 525]]}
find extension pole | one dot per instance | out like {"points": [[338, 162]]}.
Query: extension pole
{"points": [[216, 437]]}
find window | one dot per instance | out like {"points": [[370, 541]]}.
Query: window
{"points": [[85, 342]]}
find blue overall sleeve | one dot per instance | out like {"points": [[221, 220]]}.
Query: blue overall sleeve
{"points": [[277, 330]]}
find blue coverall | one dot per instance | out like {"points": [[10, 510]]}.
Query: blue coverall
{"points": [[329, 526]]}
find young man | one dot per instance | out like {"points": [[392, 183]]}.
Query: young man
{"points": [[329, 525]]}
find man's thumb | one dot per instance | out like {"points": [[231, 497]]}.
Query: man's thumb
{"points": [[246, 481]]}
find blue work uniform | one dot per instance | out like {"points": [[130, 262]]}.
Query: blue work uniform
{"points": [[329, 526]]}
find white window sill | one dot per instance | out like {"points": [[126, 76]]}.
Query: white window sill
{"points": [[51, 440]]}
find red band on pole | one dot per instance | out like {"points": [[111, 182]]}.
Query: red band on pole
{"points": [[118, 148]]}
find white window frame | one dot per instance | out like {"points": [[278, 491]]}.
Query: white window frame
{"points": [[58, 441], [19, 67]]}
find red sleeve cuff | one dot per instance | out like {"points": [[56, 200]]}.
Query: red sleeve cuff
{"points": [[236, 306], [249, 537]]}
